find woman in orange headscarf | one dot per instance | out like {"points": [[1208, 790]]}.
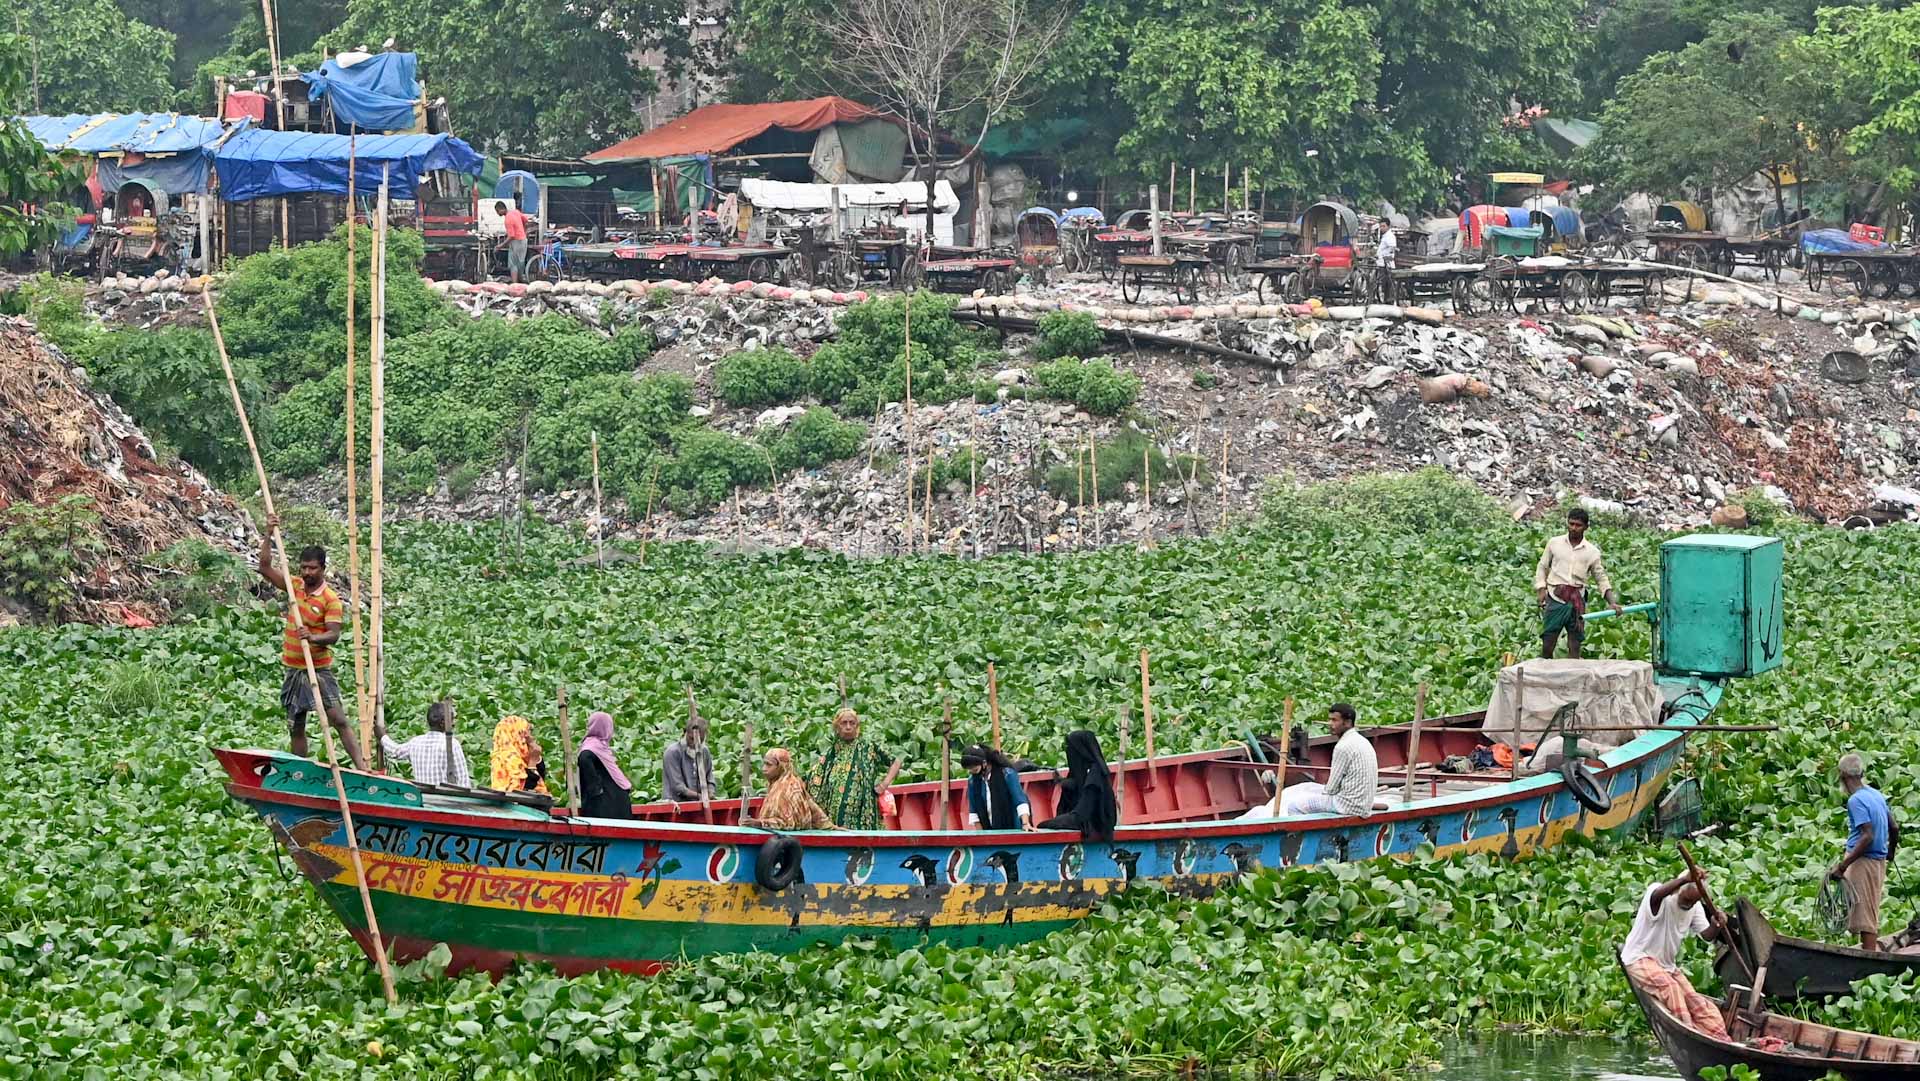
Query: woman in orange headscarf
{"points": [[518, 763], [787, 806]]}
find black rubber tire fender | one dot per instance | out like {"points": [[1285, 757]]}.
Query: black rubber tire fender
{"points": [[777, 865], [1585, 785]]}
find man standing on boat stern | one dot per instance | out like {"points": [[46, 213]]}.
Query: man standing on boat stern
{"points": [[1669, 912], [1560, 582], [320, 618], [1864, 867]]}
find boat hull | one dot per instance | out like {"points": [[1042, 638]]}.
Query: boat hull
{"points": [[1801, 968], [502, 884]]}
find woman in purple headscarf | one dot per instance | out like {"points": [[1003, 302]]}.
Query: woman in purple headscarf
{"points": [[605, 792]]}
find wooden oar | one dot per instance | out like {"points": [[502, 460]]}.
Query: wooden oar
{"points": [[306, 654], [1625, 728], [946, 763], [706, 800], [746, 769], [1714, 915], [1120, 775], [1146, 720], [993, 703], [566, 749], [1286, 748], [1413, 742]]}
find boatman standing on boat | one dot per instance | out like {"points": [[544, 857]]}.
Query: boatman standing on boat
{"points": [[1560, 582], [1669, 912], [1864, 867], [320, 619]]}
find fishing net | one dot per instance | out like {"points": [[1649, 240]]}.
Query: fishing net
{"points": [[1836, 897]]}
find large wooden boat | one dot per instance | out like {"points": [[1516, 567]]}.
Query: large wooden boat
{"points": [[1800, 967], [1780, 1048], [500, 882]]}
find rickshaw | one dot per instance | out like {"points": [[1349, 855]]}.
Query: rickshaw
{"points": [[1560, 228], [1036, 235], [1330, 238], [138, 236], [1433, 238], [84, 247], [1077, 227]]}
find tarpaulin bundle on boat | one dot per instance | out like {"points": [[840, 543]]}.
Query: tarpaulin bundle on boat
{"points": [[255, 164], [1612, 694]]}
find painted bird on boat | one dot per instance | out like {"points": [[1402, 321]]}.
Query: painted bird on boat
{"points": [[1128, 861], [1245, 858], [1008, 863], [922, 867]]}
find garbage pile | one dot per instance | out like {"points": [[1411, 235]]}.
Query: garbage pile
{"points": [[64, 439]]}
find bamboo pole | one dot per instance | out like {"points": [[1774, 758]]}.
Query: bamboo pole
{"points": [[1193, 183], [1519, 719], [1080, 496], [706, 796], [1173, 182], [1622, 728], [746, 768], [907, 420], [739, 523], [306, 655], [1120, 775], [1146, 481], [973, 485], [1093, 481], [600, 522], [1286, 750], [1413, 741], [377, 465], [993, 703], [1226, 441], [279, 96], [362, 700], [946, 763], [1146, 720], [646, 526], [566, 748]]}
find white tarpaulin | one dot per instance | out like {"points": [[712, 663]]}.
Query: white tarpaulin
{"points": [[1611, 694], [861, 204]]}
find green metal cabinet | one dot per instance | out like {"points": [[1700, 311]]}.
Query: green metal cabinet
{"points": [[1720, 601]]}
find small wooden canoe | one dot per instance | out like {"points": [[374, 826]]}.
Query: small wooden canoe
{"points": [[1793, 1050], [1799, 967]]}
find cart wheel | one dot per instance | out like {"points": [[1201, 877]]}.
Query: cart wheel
{"points": [[1294, 287], [1816, 276], [1130, 285], [1575, 293], [1885, 281], [1723, 263], [1488, 293], [909, 276], [1236, 267], [1462, 296], [1187, 283], [1909, 279], [1654, 291], [1770, 264], [1261, 283], [759, 269], [845, 270], [1853, 274]]}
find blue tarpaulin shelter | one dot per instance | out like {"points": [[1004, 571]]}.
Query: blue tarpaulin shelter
{"points": [[377, 94], [166, 150], [256, 164]]}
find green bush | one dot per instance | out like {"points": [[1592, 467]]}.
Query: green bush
{"points": [[1204, 379], [760, 377], [195, 579], [710, 464], [959, 467], [834, 370], [412, 474], [43, 551], [463, 479], [170, 381], [868, 364], [58, 308], [1431, 500], [1067, 334], [1092, 385], [816, 438], [1763, 512], [1123, 460]]}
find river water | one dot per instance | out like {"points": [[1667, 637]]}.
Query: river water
{"points": [[1511, 1057]]}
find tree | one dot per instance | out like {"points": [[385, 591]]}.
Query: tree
{"points": [[1628, 33], [1707, 116], [28, 173], [1860, 70], [94, 59], [205, 29], [941, 66], [527, 76]]}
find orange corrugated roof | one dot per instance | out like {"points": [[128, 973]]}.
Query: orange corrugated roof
{"points": [[711, 129]]}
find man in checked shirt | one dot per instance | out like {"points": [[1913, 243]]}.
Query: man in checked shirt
{"points": [[436, 756]]}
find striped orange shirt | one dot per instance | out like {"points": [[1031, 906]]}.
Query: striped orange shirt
{"points": [[316, 611]]}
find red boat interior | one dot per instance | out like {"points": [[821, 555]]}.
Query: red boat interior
{"points": [[1200, 786]]}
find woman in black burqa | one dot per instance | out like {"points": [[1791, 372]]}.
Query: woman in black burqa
{"points": [[1086, 796]]}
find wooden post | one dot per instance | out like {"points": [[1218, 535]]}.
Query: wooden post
{"points": [[693, 717], [1173, 191], [946, 763], [599, 522], [1519, 718], [739, 523], [566, 748], [746, 768], [1153, 208], [993, 703], [306, 654], [1093, 479], [1080, 496], [973, 487], [279, 97], [1226, 189], [1193, 182], [907, 420], [1146, 720], [654, 171], [1286, 753], [1146, 483], [926, 505], [646, 526], [362, 699], [1120, 775], [1226, 441], [1413, 741], [377, 465]]}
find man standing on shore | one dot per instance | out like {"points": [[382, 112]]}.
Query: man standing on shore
{"points": [[1560, 582], [516, 226], [319, 624], [1869, 843]]}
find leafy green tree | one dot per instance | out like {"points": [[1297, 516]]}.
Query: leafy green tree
{"points": [[93, 58], [28, 174], [1627, 33], [1867, 60], [526, 76], [1710, 115]]}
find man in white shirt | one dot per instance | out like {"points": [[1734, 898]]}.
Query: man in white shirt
{"points": [[1389, 245], [1669, 912], [1352, 780], [436, 756], [1560, 583]]}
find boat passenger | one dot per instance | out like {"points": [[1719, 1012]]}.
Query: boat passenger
{"points": [[995, 800], [1353, 779], [686, 770], [1560, 583], [1086, 799], [319, 624], [605, 792], [788, 805], [852, 775], [518, 764], [1864, 865], [1669, 912], [437, 757]]}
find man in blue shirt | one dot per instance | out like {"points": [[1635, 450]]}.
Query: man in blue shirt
{"points": [[1864, 867]]}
